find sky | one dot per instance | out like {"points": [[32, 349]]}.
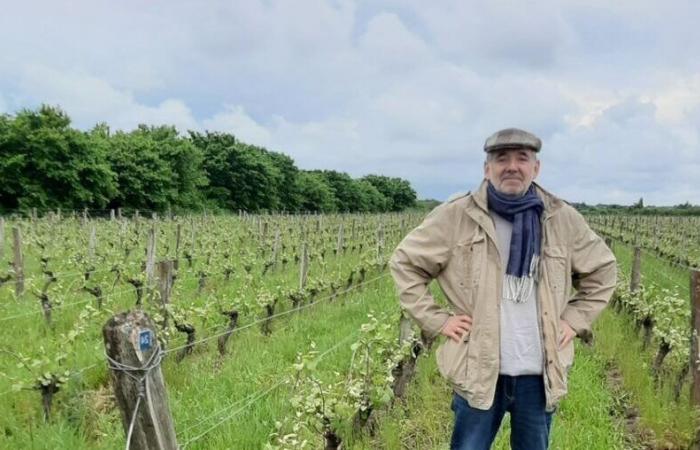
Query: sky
{"points": [[403, 88]]}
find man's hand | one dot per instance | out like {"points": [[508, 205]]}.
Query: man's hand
{"points": [[456, 327], [566, 333]]}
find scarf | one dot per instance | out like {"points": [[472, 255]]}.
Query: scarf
{"points": [[524, 213]]}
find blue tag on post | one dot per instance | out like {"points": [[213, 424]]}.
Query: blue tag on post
{"points": [[145, 340]]}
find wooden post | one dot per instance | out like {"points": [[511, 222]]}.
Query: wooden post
{"points": [[18, 263], [119, 214], [276, 246], [134, 356], [694, 345], [406, 368], [380, 240], [178, 238], [150, 257], [303, 266], [2, 240], [635, 279], [165, 286], [339, 246], [91, 244]]}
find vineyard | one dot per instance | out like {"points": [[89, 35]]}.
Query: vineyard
{"points": [[291, 320], [284, 332], [656, 321]]}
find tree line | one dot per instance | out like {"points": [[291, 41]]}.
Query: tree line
{"points": [[45, 163]]}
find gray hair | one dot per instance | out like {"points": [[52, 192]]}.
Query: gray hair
{"points": [[491, 155]]}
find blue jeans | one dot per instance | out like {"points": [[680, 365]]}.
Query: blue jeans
{"points": [[523, 397]]}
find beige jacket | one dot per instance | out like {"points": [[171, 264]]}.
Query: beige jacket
{"points": [[456, 245]]}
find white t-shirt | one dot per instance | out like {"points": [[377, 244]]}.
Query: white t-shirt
{"points": [[521, 342]]}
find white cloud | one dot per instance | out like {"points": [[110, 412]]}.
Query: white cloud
{"points": [[89, 100], [234, 120]]}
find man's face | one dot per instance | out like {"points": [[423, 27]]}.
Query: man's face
{"points": [[511, 171]]}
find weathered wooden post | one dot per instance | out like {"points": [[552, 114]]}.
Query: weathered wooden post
{"points": [[91, 244], [695, 327], [405, 369], [303, 266], [134, 358], [150, 257], [178, 239], [695, 346], [380, 241], [635, 278], [2, 239], [339, 246], [165, 286], [111, 215], [276, 247], [18, 263]]}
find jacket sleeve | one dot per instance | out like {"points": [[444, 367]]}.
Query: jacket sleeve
{"points": [[418, 259], [594, 271]]}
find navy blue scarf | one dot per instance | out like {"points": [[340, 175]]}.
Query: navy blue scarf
{"points": [[524, 213]]}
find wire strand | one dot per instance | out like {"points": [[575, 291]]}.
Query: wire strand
{"points": [[260, 394], [289, 311]]}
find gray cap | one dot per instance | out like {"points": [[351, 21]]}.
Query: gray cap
{"points": [[512, 138]]}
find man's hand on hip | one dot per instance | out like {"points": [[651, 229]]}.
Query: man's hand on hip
{"points": [[456, 327], [566, 333]]}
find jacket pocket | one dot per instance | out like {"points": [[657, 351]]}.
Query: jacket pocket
{"points": [[554, 265], [452, 361], [470, 254]]}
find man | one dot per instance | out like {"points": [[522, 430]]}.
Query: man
{"points": [[506, 258]]}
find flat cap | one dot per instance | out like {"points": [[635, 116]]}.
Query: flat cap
{"points": [[512, 138]]}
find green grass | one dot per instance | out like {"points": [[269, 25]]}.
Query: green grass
{"points": [[424, 420], [203, 389], [663, 422]]}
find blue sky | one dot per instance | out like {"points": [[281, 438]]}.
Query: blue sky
{"points": [[403, 88]]}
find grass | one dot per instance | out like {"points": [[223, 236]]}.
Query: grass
{"points": [[663, 422], [208, 396], [424, 420]]}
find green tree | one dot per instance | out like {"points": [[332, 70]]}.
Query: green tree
{"points": [[371, 199], [45, 163], [398, 192], [144, 176], [240, 176], [316, 195]]}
